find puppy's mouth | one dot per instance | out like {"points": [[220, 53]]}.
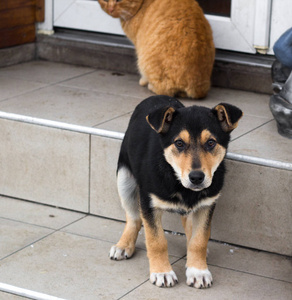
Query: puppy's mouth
{"points": [[195, 187]]}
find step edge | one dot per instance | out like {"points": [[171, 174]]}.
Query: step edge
{"points": [[108, 40], [119, 136]]}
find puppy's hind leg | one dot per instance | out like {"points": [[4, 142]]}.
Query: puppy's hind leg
{"points": [[128, 192]]}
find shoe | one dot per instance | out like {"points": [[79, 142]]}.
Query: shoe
{"points": [[281, 108], [280, 73]]}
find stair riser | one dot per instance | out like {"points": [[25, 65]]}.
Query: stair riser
{"points": [[77, 171]]}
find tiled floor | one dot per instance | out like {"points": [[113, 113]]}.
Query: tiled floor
{"points": [[65, 254], [105, 99]]}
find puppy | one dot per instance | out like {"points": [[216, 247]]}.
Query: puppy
{"points": [[172, 159]]}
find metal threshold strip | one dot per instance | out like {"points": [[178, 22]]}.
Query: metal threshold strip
{"points": [[119, 136], [10, 289]]}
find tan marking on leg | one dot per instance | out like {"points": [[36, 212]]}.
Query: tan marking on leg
{"points": [[197, 247], [156, 244], [126, 246], [188, 226]]}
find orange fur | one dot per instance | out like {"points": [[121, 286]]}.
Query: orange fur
{"points": [[173, 41]]}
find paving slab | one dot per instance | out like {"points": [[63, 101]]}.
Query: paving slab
{"points": [[227, 284], [36, 214], [43, 71], [12, 88], [74, 267], [70, 105], [111, 231], [15, 236]]}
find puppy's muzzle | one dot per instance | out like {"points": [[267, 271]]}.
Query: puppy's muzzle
{"points": [[196, 177], [197, 181]]}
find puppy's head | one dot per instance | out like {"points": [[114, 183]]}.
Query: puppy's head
{"points": [[195, 140]]}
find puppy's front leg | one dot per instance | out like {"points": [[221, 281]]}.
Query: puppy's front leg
{"points": [[197, 271], [161, 273]]}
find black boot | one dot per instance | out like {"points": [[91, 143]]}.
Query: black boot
{"points": [[280, 74], [281, 108]]}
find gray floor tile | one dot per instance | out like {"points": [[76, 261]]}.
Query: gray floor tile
{"points": [[264, 142], [228, 284], [70, 105], [16, 235], [15, 87], [119, 124], [43, 71], [111, 231], [221, 255], [109, 82], [74, 267], [36, 214], [255, 262], [6, 296], [252, 104]]}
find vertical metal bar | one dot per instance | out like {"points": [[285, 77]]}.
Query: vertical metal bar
{"points": [[262, 25]]}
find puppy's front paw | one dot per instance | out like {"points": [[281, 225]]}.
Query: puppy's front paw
{"points": [[163, 279], [199, 278], [118, 253]]}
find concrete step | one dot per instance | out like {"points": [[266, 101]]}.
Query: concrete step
{"points": [[61, 128], [231, 70]]}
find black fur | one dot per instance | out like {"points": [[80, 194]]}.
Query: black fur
{"points": [[142, 150]]}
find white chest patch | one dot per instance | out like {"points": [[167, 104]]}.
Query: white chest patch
{"points": [[156, 202]]}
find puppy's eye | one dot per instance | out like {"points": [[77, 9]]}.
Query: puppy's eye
{"points": [[179, 144], [210, 144]]}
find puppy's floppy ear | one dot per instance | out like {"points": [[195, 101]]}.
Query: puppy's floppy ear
{"points": [[160, 119], [228, 115]]}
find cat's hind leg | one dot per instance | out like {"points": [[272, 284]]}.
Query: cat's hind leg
{"points": [[198, 91], [160, 90], [143, 81], [128, 192]]}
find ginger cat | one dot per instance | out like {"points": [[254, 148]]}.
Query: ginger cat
{"points": [[173, 42]]}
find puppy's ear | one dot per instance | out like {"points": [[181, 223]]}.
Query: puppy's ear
{"points": [[160, 119], [228, 115]]}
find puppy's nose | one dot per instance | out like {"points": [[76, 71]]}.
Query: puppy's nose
{"points": [[196, 177]]}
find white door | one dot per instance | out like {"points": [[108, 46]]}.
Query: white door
{"points": [[246, 30], [84, 15]]}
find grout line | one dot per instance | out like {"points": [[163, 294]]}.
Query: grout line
{"points": [[45, 85], [53, 231], [112, 119], [74, 77], [136, 287], [246, 133], [27, 223], [247, 248], [103, 92], [26, 92], [45, 204], [249, 273]]}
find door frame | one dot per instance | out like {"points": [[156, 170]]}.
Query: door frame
{"points": [[252, 26]]}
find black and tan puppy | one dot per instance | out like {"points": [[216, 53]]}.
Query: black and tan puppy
{"points": [[172, 159]]}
